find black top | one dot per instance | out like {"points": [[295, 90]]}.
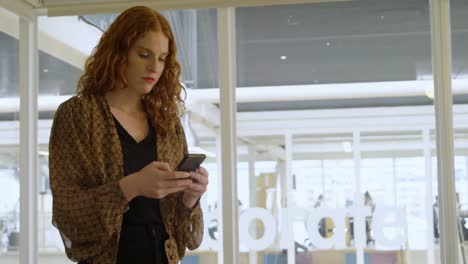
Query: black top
{"points": [[143, 234]]}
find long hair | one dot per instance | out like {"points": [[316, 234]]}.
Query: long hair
{"points": [[104, 69]]}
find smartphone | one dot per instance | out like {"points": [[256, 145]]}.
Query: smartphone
{"points": [[191, 162]]}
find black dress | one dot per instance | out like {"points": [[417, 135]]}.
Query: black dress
{"points": [[143, 233]]}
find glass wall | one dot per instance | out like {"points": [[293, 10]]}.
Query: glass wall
{"points": [[394, 177], [348, 83], [324, 175], [9, 138], [261, 175], [196, 36], [343, 79], [459, 24], [60, 69]]}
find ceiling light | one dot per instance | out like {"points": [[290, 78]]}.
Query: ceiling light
{"points": [[283, 57], [347, 146], [45, 70], [328, 44]]}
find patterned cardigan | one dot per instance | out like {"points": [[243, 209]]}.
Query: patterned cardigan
{"points": [[86, 164]]}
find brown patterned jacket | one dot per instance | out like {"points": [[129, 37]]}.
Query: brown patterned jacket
{"points": [[86, 163]]}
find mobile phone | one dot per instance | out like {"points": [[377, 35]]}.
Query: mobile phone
{"points": [[191, 162]]}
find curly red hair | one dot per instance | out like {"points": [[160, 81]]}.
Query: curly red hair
{"points": [[104, 69]]}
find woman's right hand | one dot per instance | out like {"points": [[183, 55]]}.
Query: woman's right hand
{"points": [[155, 180]]}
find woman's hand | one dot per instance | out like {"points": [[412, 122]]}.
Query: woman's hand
{"points": [[194, 191], [156, 180]]}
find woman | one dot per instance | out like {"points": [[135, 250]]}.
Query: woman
{"points": [[114, 147]]}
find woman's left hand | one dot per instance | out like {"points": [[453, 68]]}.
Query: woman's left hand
{"points": [[194, 191]]}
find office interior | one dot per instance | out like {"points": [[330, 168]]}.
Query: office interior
{"points": [[337, 128]]}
